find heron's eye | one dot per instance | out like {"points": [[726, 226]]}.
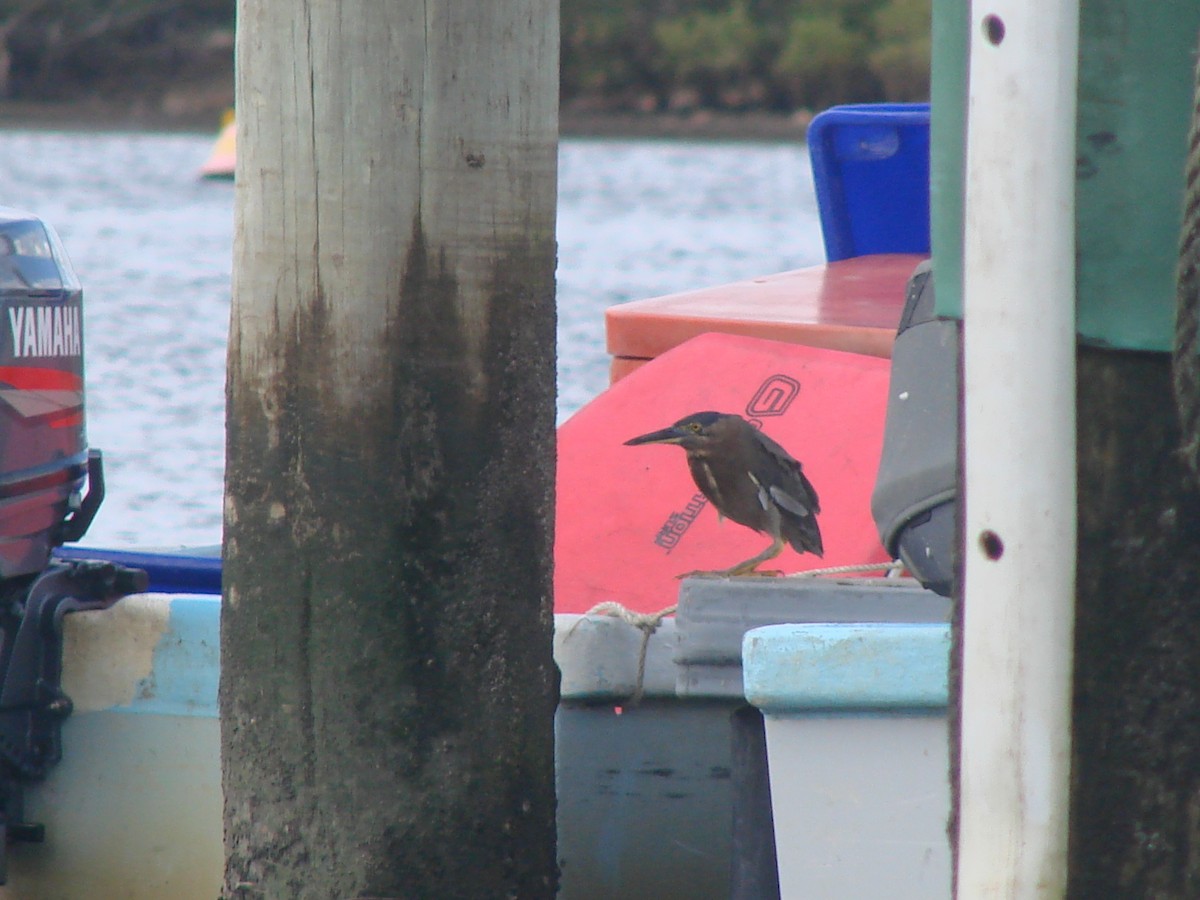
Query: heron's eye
{"points": [[694, 426]]}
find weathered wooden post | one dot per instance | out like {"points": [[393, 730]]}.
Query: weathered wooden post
{"points": [[388, 689]]}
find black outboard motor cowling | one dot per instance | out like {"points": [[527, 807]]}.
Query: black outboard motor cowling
{"points": [[916, 491], [44, 459]]}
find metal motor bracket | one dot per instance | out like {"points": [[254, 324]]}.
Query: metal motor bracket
{"points": [[77, 524], [33, 705]]}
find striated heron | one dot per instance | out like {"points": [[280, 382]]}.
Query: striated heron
{"points": [[748, 478]]}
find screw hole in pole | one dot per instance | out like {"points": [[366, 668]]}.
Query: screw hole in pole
{"points": [[993, 29], [993, 547]]}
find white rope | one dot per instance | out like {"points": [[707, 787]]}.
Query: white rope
{"points": [[647, 623], [892, 570]]}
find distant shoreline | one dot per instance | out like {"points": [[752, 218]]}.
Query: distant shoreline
{"points": [[705, 125], [697, 125]]}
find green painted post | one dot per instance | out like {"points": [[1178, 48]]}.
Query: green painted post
{"points": [[1135, 77], [1135, 101], [948, 150]]}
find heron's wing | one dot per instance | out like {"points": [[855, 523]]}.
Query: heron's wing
{"points": [[793, 495], [790, 503], [789, 486]]}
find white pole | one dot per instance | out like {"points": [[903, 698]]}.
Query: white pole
{"points": [[1019, 428]]}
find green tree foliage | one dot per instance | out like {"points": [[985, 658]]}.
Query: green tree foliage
{"points": [[54, 49], [642, 55], [900, 57], [823, 61], [777, 54], [714, 53], [609, 53]]}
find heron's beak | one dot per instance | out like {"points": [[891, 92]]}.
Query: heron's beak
{"points": [[670, 435]]}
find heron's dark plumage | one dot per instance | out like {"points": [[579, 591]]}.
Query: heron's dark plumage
{"points": [[748, 478]]}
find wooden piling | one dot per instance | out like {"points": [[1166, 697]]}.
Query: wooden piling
{"points": [[388, 689]]}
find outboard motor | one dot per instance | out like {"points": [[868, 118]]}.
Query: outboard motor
{"points": [[916, 489], [50, 488], [44, 460]]}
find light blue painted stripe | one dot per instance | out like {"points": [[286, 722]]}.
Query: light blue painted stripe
{"points": [[796, 668], [187, 662]]}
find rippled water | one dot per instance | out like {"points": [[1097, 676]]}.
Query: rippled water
{"points": [[152, 246]]}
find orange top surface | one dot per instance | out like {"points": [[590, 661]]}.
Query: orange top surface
{"points": [[851, 305]]}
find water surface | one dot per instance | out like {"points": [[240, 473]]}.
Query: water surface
{"points": [[152, 246]]}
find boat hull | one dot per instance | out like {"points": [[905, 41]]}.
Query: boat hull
{"points": [[648, 789]]}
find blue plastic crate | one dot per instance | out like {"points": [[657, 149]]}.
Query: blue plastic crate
{"points": [[871, 169]]}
